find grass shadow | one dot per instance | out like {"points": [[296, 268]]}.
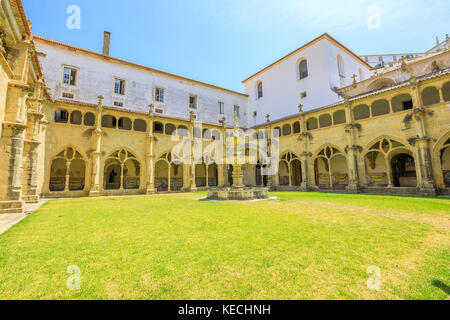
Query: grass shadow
{"points": [[439, 284]]}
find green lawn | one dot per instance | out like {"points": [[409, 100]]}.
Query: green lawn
{"points": [[301, 246]]}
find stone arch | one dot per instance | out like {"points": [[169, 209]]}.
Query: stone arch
{"points": [[380, 84], [124, 123], [312, 124], [170, 129], [68, 170], [76, 117], [380, 107], [169, 173], [290, 173], [330, 167], [122, 170], [325, 121], [109, 121], [430, 96], [296, 127], [446, 91], [441, 151], [158, 127], [140, 125], [339, 117], [402, 102], [378, 155], [61, 116], [89, 119], [361, 111], [287, 130]]}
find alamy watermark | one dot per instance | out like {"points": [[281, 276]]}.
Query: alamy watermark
{"points": [[74, 20], [74, 280]]}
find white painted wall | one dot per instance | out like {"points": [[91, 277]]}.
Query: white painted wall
{"points": [[96, 77], [282, 86]]}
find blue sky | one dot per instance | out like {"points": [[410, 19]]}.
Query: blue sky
{"points": [[223, 42]]}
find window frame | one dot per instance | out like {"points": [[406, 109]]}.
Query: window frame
{"points": [[196, 102], [72, 69], [124, 87], [158, 95], [218, 108], [238, 108], [305, 74]]}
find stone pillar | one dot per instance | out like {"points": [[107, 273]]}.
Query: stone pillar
{"points": [[222, 171], [304, 154], [193, 184], [97, 153], [12, 142], [424, 155], [352, 149], [150, 154]]}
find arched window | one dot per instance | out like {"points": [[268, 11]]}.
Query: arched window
{"points": [[361, 112], [109, 121], [325, 121], [312, 124], [339, 117], [124, 123], [89, 119], [158, 127], [430, 96], [287, 130], [76, 117], [446, 91], [296, 127], [170, 129], [61, 116], [380, 107], [340, 63], [140, 125], [402, 102], [303, 69], [260, 90]]}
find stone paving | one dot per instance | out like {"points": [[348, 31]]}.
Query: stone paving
{"points": [[9, 220]]}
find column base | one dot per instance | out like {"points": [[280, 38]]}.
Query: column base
{"points": [[353, 189], [7, 207], [150, 191], [31, 198], [428, 191], [94, 193], [193, 188]]}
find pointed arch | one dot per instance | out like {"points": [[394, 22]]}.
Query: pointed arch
{"points": [[122, 170], [68, 170], [330, 167]]}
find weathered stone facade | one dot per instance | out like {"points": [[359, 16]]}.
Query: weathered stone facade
{"points": [[389, 134]]}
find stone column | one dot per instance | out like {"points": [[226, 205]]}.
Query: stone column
{"points": [[304, 154], [193, 184], [222, 167], [424, 155], [12, 142], [97, 153], [150, 154], [352, 149]]}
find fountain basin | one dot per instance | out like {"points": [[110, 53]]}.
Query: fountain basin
{"points": [[241, 194]]}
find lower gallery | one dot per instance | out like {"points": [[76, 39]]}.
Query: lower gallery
{"points": [[389, 133]]}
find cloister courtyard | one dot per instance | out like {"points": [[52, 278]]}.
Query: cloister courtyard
{"points": [[173, 246]]}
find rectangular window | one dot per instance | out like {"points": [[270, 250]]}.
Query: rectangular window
{"points": [[159, 95], [221, 108], [70, 76], [67, 95], [192, 102], [303, 95], [118, 104], [236, 110], [119, 86], [160, 111]]}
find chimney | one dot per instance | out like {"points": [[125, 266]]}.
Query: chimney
{"points": [[106, 43]]}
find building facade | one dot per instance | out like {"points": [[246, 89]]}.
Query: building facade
{"points": [[78, 123]]}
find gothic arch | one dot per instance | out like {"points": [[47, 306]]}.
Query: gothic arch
{"points": [[68, 170], [330, 167]]}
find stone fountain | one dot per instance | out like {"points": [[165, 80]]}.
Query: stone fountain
{"points": [[237, 192]]}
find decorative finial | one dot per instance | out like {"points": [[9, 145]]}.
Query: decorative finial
{"points": [[300, 108], [268, 118], [151, 108], [191, 116]]}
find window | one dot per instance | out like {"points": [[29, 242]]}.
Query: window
{"points": [[159, 95], [303, 95], [380, 59], [340, 63], [67, 95], [192, 102], [70, 76], [236, 110], [221, 108], [119, 86], [303, 69], [118, 104], [260, 90], [160, 111], [61, 116]]}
